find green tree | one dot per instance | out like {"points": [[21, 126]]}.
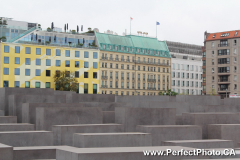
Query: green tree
{"points": [[168, 93], [65, 81]]}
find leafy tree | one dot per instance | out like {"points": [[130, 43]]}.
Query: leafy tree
{"points": [[168, 93], [212, 92], [65, 81]]}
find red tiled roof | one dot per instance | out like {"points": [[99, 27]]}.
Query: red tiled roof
{"points": [[218, 35]]}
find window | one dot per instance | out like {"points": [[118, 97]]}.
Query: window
{"points": [[235, 51], [95, 55], [85, 54], [85, 74], [58, 63], [223, 52], [17, 71], [58, 52], [235, 59], [67, 53], [6, 49], [27, 61], [122, 66], [235, 86], [76, 54], [48, 84], [139, 68], [67, 73], [17, 49], [235, 68], [132, 67], [48, 62], [105, 65], [95, 65], [95, 75], [27, 84], [235, 78], [38, 62], [212, 61], [76, 64], [94, 88], [212, 53], [5, 83], [27, 72], [37, 84], [48, 52], [28, 50], [38, 72], [6, 60], [85, 88], [116, 66], [48, 73], [17, 60], [76, 74], [16, 84], [223, 60], [212, 44], [85, 64]]}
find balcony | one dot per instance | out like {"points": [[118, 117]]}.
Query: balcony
{"points": [[223, 90], [223, 73], [104, 77], [223, 81], [224, 45], [104, 58], [151, 80], [104, 86], [151, 88]]}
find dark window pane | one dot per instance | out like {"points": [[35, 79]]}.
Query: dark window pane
{"points": [[48, 84], [28, 50], [5, 83], [17, 60], [67, 53], [37, 84], [76, 63], [77, 54], [77, 74], [58, 52], [6, 49], [17, 49], [48, 73], [85, 88], [16, 84], [27, 84], [94, 74], [67, 63], [48, 52], [85, 74]]}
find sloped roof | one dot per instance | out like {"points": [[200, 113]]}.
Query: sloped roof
{"points": [[218, 36], [132, 41]]}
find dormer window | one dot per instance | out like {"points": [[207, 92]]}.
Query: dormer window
{"points": [[214, 36], [236, 33]]}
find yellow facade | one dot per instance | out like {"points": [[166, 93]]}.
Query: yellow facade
{"points": [[22, 78], [157, 74]]}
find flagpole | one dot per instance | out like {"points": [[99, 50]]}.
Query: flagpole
{"points": [[156, 29], [130, 25]]}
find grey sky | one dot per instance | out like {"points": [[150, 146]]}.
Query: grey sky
{"points": [[180, 20]]}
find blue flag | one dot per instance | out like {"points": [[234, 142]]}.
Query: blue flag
{"points": [[158, 23]]}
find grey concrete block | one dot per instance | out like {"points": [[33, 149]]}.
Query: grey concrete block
{"points": [[179, 120], [108, 117], [16, 101], [121, 153], [49, 116], [27, 138], [5, 92], [2, 113], [6, 152], [194, 100], [63, 134], [8, 119], [225, 131], [131, 117], [29, 109], [76, 98], [203, 119], [202, 144], [106, 106], [16, 127], [124, 139], [36, 152], [162, 133]]}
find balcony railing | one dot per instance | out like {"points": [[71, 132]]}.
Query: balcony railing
{"points": [[151, 80], [151, 88], [104, 86], [223, 45], [104, 77]]}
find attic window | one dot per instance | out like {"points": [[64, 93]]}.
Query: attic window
{"points": [[213, 36], [236, 33], [224, 34]]}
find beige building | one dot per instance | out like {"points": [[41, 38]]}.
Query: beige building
{"points": [[133, 65], [222, 63]]}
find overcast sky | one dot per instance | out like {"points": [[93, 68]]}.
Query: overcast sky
{"points": [[180, 20]]}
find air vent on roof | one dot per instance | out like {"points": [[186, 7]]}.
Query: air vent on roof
{"points": [[236, 33], [213, 36], [224, 34]]}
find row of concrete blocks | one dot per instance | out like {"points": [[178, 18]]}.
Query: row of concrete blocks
{"points": [[112, 135], [113, 153]]}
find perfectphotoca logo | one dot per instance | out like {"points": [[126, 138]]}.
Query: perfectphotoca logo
{"points": [[195, 152]]}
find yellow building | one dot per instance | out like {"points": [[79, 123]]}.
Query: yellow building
{"points": [[131, 65], [34, 66]]}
